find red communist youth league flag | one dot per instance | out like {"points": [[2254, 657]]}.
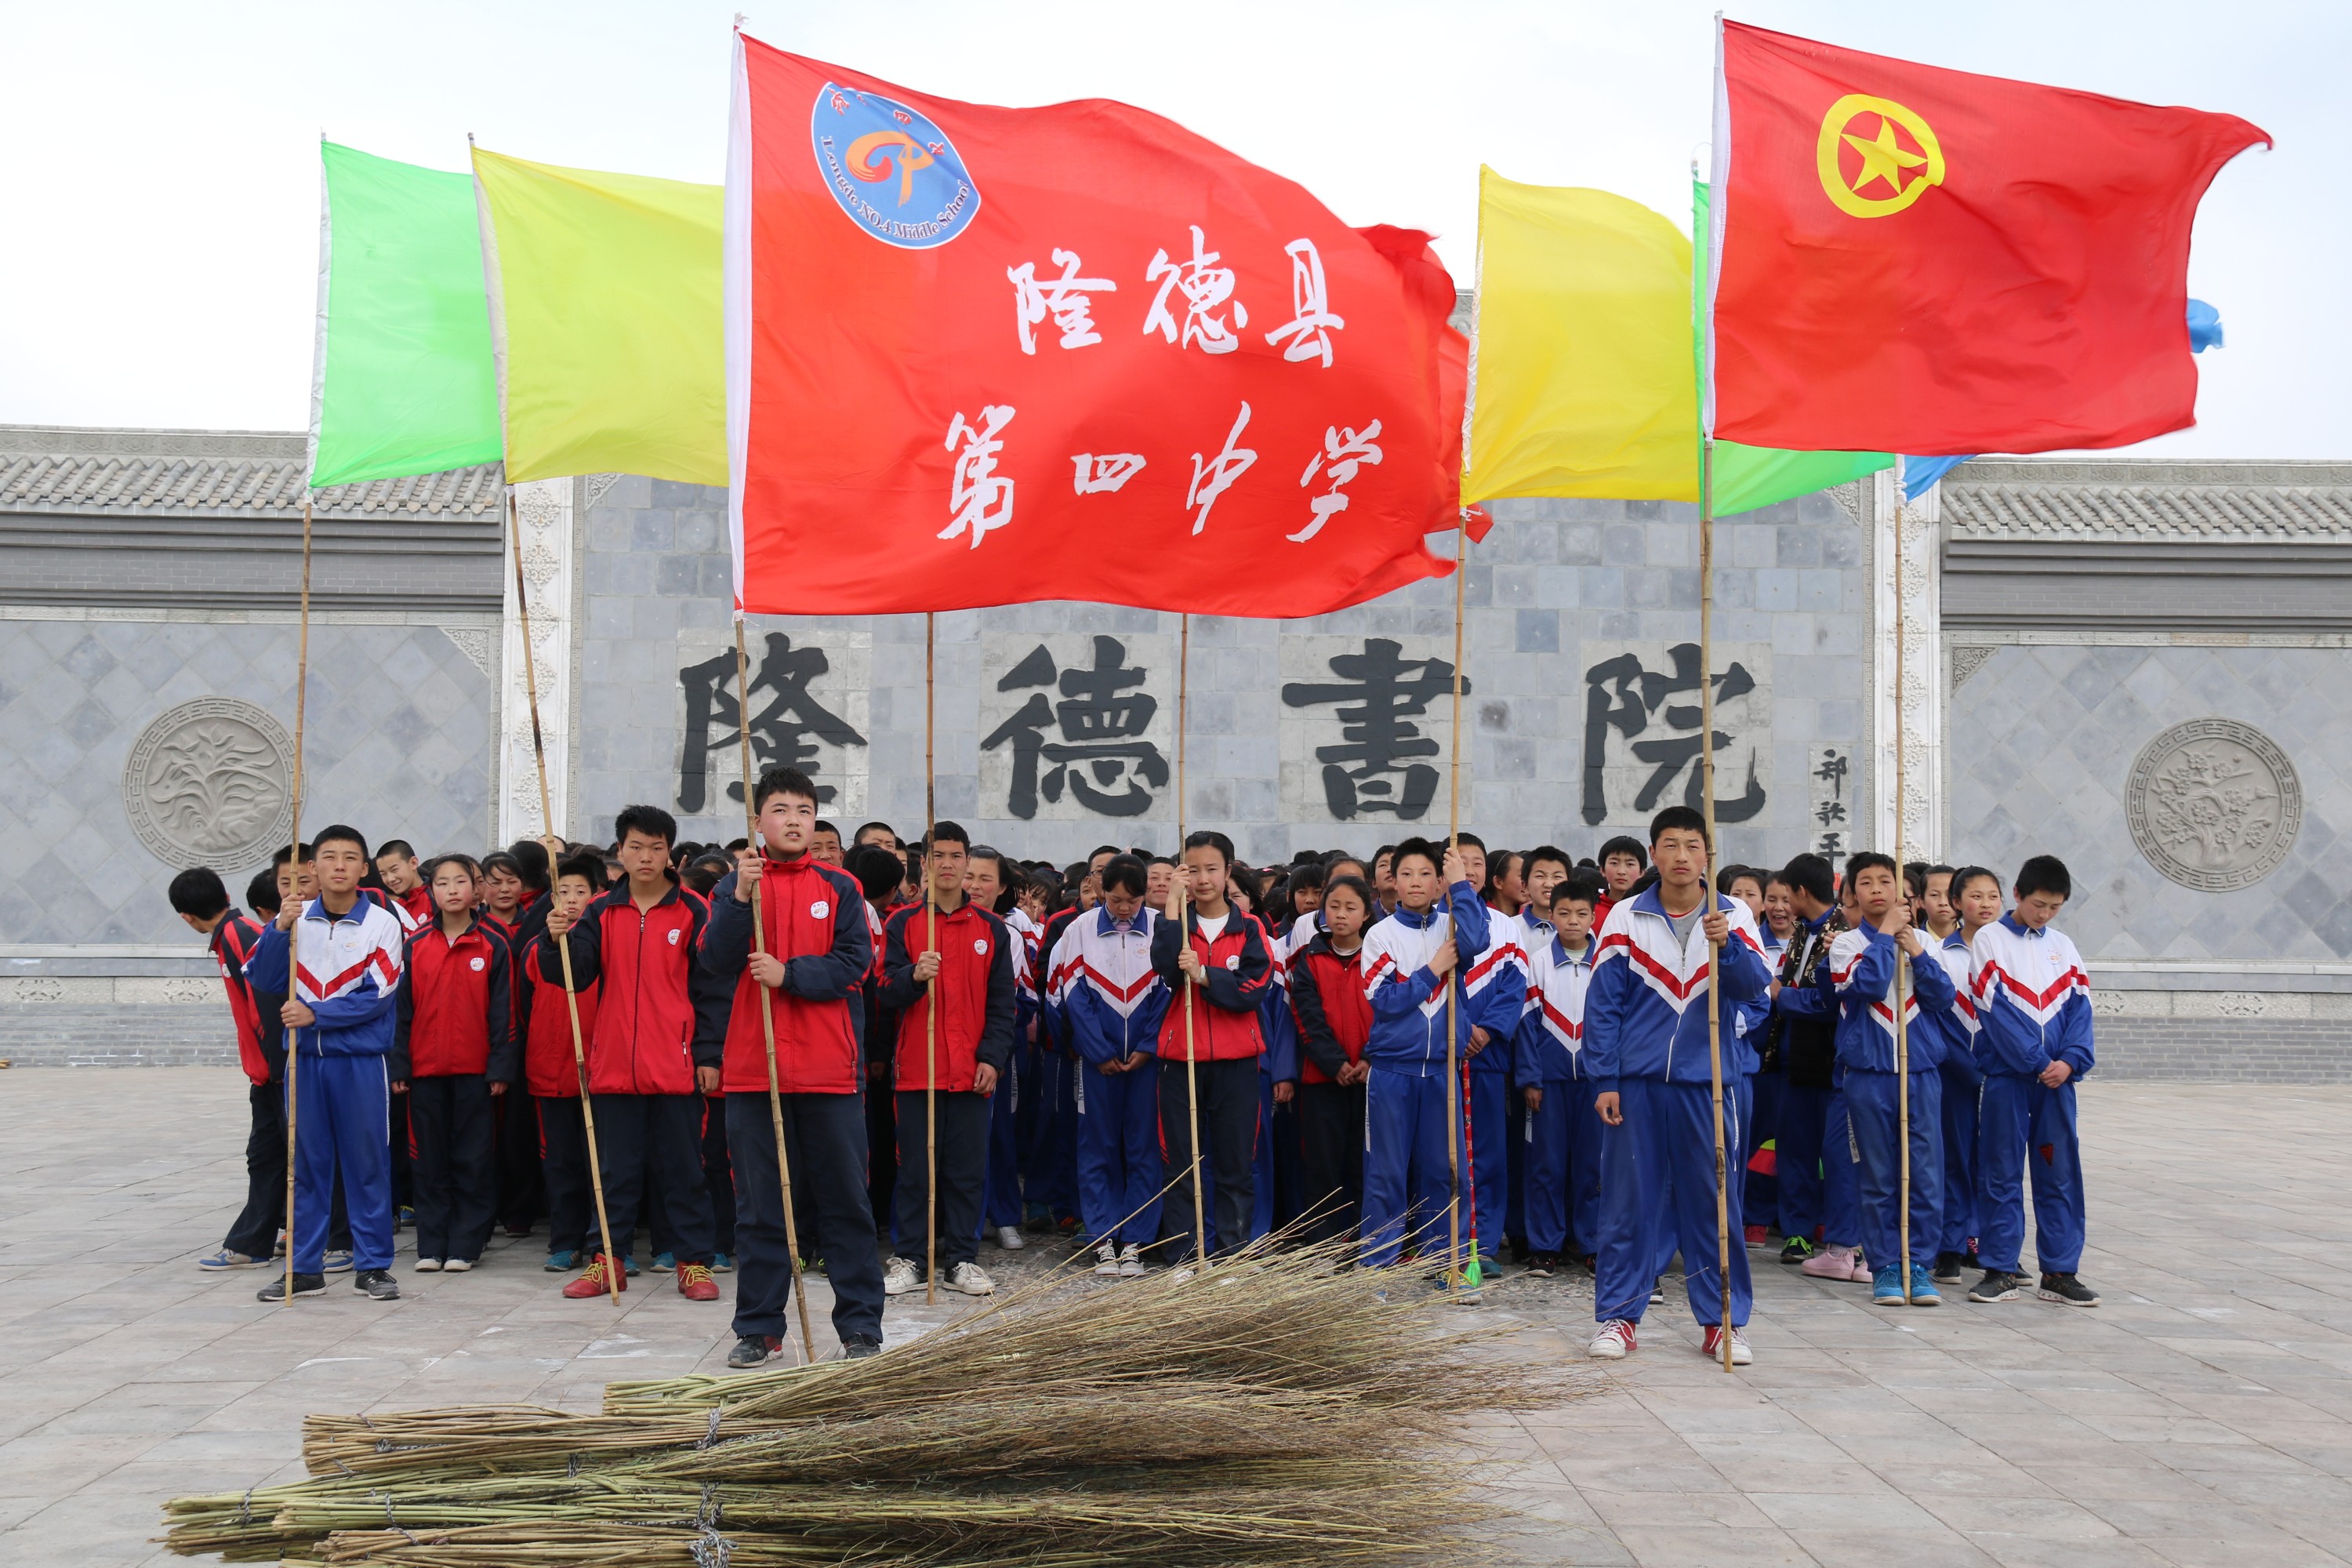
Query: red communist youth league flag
{"points": [[982, 356], [1923, 260]]}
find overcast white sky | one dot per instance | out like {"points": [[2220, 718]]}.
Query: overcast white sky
{"points": [[159, 167]]}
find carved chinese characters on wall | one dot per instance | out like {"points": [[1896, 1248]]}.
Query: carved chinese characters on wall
{"points": [[2214, 804], [209, 783], [811, 696], [1076, 726], [1365, 726], [1642, 733]]}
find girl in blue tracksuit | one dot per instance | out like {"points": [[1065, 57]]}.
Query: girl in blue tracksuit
{"points": [[1412, 959], [1110, 1004], [1563, 1125]]}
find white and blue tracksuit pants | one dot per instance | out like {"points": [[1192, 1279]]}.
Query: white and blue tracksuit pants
{"points": [[1000, 1199], [1485, 1101], [343, 1118], [2020, 1124], [1119, 1165], [1815, 1163], [1562, 1162], [1408, 1180], [1870, 1099], [1663, 1159], [1963, 1085]]}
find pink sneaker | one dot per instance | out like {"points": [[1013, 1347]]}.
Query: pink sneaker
{"points": [[1861, 1274], [1831, 1263]]}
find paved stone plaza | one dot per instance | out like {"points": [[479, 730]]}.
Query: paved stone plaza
{"points": [[2202, 1416]]}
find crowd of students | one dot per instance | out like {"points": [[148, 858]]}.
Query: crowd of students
{"points": [[1298, 1016]]}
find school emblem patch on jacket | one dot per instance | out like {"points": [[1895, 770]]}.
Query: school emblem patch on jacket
{"points": [[819, 910]]}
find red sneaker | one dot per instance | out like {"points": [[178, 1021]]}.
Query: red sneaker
{"points": [[695, 1283], [1711, 1345], [595, 1281], [1756, 1236]]}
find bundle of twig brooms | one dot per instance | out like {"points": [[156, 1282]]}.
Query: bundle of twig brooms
{"points": [[1267, 1411]]}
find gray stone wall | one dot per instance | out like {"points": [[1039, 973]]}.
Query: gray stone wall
{"points": [[400, 723], [2043, 741], [1555, 586]]}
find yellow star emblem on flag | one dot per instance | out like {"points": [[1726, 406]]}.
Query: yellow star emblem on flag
{"points": [[1892, 175]]}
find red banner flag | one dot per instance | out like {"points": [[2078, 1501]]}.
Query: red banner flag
{"points": [[982, 356], [1923, 260]]}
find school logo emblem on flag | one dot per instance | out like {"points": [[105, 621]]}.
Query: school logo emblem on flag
{"points": [[892, 169], [1879, 174]]}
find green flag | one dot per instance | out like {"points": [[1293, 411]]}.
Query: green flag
{"points": [[401, 376], [606, 305], [1746, 478]]}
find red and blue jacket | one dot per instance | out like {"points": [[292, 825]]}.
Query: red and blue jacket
{"points": [[1646, 1011], [2033, 1000], [975, 990], [545, 1020], [658, 1014], [1862, 974], [260, 1033], [1408, 999], [1109, 1002], [455, 1014], [812, 917], [1237, 970], [1326, 997], [345, 968]]}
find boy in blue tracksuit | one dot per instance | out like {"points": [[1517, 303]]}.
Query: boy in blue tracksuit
{"points": [[2033, 1006], [1974, 896], [1865, 971], [1563, 1126], [1411, 962], [1814, 1169], [1646, 1042], [337, 960], [1110, 1003]]}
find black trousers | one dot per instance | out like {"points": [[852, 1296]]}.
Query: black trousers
{"points": [[718, 1173], [1229, 1146], [564, 1165], [825, 1144], [255, 1232], [963, 1173], [1331, 1135], [453, 1179], [641, 1137], [882, 1148], [522, 1197]]}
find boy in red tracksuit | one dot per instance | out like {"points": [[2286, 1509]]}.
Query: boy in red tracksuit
{"points": [[970, 953], [1218, 970], [454, 1052], [199, 899], [655, 1050], [814, 952], [552, 1075]]}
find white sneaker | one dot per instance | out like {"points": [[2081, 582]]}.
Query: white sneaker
{"points": [[1711, 1346], [1106, 1261], [455, 1265], [1131, 1262], [1184, 1274], [1009, 1237], [900, 1276], [971, 1280], [429, 1265], [1613, 1342]]}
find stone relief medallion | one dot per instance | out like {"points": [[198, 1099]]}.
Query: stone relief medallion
{"points": [[208, 783], [2213, 805]]}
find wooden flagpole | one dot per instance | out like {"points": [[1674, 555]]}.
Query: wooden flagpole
{"points": [[1177, 891], [1707, 889], [294, 865], [767, 1007], [1454, 1124], [612, 1265], [1902, 892], [931, 944]]}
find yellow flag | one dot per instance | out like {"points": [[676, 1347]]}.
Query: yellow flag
{"points": [[1584, 384], [605, 311]]}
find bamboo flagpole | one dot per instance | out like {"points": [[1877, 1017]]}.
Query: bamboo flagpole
{"points": [[1902, 892], [294, 894], [612, 1265], [767, 1007], [1707, 885], [1453, 1119], [931, 944], [1179, 890]]}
